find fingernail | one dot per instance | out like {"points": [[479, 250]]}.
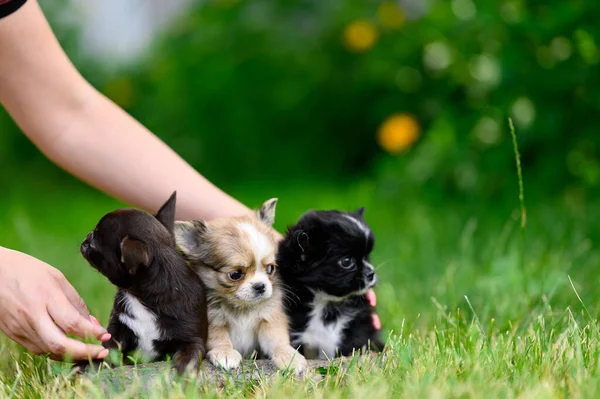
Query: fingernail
{"points": [[105, 337], [97, 323], [376, 322], [102, 354]]}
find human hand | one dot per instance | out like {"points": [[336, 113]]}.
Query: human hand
{"points": [[38, 306]]}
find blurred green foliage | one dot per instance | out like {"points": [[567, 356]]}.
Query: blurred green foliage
{"points": [[267, 90]]}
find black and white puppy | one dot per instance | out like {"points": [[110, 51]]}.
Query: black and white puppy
{"points": [[160, 305], [324, 262]]}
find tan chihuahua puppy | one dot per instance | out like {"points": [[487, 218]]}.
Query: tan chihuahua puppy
{"points": [[235, 258]]}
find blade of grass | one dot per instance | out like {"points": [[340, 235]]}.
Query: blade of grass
{"points": [[519, 173], [581, 300]]}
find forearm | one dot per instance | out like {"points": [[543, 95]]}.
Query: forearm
{"points": [[88, 135], [107, 148]]}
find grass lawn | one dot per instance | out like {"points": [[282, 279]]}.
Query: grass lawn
{"points": [[474, 305]]}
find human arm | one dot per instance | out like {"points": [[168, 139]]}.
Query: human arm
{"points": [[85, 133]]}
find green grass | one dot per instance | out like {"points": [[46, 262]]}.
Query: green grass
{"points": [[473, 307]]}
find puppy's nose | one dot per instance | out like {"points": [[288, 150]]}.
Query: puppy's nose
{"points": [[370, 274], [87, 243], [259, 288]]}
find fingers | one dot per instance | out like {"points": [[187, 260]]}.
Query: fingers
{"points": [[105, 352], [30, 346], [26, 342], [18, 326], [71, 294], [376, 322], [106, 336], [371, 297], [71, 321], [55, 342], [75, 299]]}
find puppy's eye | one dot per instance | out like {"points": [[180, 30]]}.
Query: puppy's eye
{"points": [[235, 276], [347, 262], [270, 269]]}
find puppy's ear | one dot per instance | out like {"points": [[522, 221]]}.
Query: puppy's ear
{"points": [[360, 212], [301, 240], [309, 232], [134, 254], [189, 235], [266, 214], [166, 213]]}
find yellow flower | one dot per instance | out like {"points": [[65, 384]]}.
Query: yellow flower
{"points": [[390, 16], [360, 35], [398, 133], [121, 91]]}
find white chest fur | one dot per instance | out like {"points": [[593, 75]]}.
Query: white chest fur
{"points": [[243, 326], [144, 325], [318, 337], [243, 331]]}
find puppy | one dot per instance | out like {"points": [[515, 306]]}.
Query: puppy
{"points": [[160, 305], [324, 263], [235, 257]]}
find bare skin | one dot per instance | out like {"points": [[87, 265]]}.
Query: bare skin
{"points": [[38, 305], [89, 136]]}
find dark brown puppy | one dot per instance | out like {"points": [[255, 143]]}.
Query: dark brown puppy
{"points": [[160, 305]]}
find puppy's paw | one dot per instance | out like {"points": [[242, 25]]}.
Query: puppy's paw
{"points": [[85, 366], [188, 358], [225, 358], [289, 357]]}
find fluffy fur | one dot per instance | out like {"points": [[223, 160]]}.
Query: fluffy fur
{"points": [[324, 263], [160, 304], [235, 257]]}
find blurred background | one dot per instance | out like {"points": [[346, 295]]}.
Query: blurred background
{"points": [[400, 106], [415, 93]]}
